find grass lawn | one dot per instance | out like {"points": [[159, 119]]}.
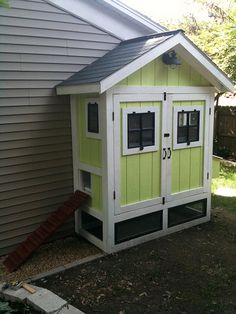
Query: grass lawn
{"points": [[227, 179]]}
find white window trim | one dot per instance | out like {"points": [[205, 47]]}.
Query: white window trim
{"points": [[136, 150], [178, 109], [91, 134]]}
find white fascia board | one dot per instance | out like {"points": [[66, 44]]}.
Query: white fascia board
{"points": [[204, 65], [187, 51], [130, 68], [78, 89], [123, 25], [136, 16]]}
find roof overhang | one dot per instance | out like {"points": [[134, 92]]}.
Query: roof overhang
{"points": [[115, 17], [183, 46]]}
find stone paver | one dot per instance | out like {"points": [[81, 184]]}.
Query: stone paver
{"points": [[70, 310], [46, 301], [42, 300], [18, 295]]}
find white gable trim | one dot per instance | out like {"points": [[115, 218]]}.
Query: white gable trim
{"points": [[183, 46], [138, 63], [191, 54], [110, 16]]}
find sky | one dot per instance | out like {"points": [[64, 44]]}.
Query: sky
{"points": [[159, 10]]}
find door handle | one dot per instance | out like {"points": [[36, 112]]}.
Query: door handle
{"points": [[164, 154], [169, 155]]}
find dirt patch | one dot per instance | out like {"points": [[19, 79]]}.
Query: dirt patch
{"points": [[49, 256], [190, 272]]}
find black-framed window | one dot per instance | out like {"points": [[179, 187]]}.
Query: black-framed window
{"points": [[188, 126], [141, 129], [93, 120]]}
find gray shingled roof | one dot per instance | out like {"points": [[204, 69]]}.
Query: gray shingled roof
{"points": [[126, 52]]}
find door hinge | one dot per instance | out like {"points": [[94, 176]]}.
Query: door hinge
{"points": [[208, 175], [209, 111], [163, 200], [113, 116], [164, 95], [114, 195]]}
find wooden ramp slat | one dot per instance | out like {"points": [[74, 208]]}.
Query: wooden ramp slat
{"points": [[45, 230]]}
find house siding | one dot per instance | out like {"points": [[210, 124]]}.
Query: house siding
{"points": [[40, 46]]}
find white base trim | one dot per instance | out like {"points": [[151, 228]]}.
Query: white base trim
{"points": [[158, 234]]}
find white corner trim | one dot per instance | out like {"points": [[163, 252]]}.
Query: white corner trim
{"points": [[78, 89]]}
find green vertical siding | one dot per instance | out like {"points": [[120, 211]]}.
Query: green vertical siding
{"points": [[90, 153], [90, 149], [187, 164], [140, 173], [156, 73]]}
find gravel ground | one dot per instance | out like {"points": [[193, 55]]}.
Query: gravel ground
{"points": [[49, 256]]}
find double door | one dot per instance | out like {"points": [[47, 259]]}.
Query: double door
{"points": [[160, 148]]}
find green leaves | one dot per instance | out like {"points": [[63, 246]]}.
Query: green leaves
{"points": [[4, 3], [216, 36], [5, 308]]}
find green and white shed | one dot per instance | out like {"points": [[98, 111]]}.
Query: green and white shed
{"points": [[142, 128]]}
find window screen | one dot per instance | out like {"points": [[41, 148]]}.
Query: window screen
{"points": [[188, 126], [186, 212], [93, 125], [138, 226], [141, 129]]}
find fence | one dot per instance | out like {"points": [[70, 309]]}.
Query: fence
{"points": [[225, 130]]}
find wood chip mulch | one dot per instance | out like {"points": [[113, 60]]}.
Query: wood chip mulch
{"points": [[48, 257]]}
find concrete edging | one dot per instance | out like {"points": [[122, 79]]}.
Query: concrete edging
{"points": [[44, 300], [59, 269]]}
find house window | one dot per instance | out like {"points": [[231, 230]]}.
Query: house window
{"points": [[139, 130], [93, 124], [188, 123]]}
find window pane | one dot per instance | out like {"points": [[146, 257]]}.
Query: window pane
{"points": [[193, 134], [182, 135], [148, 120], [182, 119], [194, 118], [133, 121], [86, 181], [147, 137], [133, 139], [93, 117]]}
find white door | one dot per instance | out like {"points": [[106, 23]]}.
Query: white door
{"points": [[138, 151], [187, 145], [169, 165]]}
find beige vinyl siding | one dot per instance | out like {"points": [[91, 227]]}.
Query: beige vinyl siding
{"points": [[40, 46]]}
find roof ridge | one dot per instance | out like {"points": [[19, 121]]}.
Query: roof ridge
{"points": [[154, 35]]}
